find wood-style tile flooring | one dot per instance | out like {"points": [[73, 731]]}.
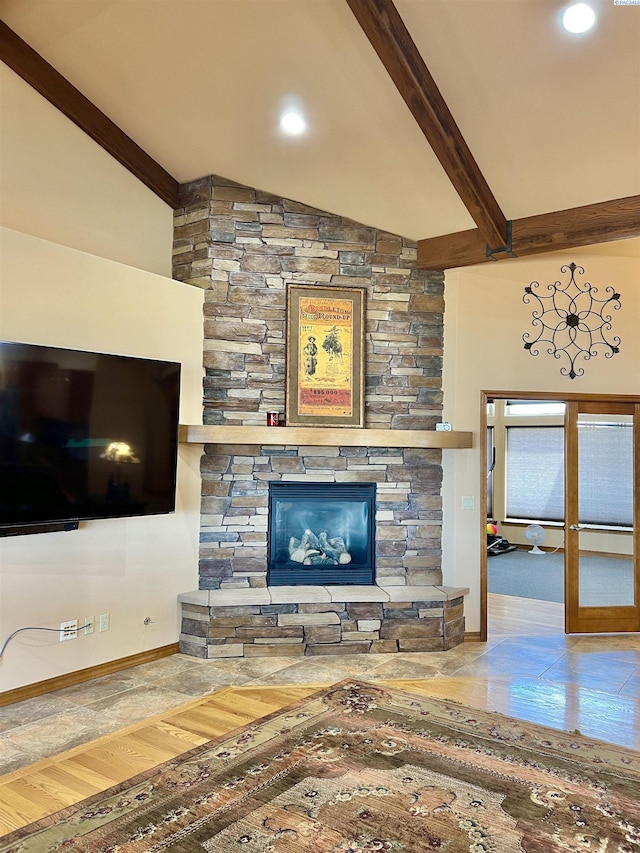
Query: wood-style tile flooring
{"points": [[57, 749]]}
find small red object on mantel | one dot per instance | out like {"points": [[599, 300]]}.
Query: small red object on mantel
{"points": [[273, 418]]}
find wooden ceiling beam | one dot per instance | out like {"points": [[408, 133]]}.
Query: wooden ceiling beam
{"points": [[44, 78], [383, 26], [618, 219]]}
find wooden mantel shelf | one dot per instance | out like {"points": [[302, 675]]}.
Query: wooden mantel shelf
{"points": [[324, 436]]}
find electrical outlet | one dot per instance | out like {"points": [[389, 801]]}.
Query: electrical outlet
{"points": [[103, 624], [89, 624], [468, 502], [68, 630]]}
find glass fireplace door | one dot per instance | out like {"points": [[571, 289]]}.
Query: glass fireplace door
{"points": [[321, 533]]}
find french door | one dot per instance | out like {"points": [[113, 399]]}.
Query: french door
{"points": [[601, 437], [590, 607]]}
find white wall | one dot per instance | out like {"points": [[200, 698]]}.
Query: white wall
{"points": [[485, 319], [56, 183], [86, 265], [130, 568]]}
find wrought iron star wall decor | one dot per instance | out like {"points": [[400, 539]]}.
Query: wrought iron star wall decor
{"points": [[572, 321]]}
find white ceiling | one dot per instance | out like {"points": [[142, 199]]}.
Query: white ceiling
{"points": [[553, 120]]}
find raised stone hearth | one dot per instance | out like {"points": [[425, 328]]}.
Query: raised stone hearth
{"points": [[330, 620]]}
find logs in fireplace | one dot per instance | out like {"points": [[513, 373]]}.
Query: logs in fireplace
{"points": [[321, 533]]}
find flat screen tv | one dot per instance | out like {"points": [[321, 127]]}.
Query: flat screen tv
{"points": [[85, 435]]}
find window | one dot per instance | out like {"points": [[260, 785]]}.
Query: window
{"points": [[533, 408], [535, 473], [605, 467]]}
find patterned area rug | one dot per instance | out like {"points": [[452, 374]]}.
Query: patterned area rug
{"points": [[357, 769]]}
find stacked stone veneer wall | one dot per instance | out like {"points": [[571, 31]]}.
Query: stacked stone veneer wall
{"points": [[243, 246]]}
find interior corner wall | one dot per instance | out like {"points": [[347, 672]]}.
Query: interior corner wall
{"points": [[58, 184], [485, 319], [129, 568]]}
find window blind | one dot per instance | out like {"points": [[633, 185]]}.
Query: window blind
{"points": [[535, 473], [605, 460]]}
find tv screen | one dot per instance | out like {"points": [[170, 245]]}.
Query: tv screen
{"points": [[85, 435]]}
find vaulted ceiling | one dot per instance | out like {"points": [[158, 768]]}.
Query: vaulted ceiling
{"points": [[460, 123]]}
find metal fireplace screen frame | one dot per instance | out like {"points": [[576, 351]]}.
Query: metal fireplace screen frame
{"points": [[340, 511]]}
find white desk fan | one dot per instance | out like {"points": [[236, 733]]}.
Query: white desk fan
{"points": [[535, 535]]}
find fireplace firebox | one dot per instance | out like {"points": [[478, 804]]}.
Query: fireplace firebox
{"points": [[321, 533]]}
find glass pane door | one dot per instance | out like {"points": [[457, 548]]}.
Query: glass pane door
{"points": [[603, 593]]}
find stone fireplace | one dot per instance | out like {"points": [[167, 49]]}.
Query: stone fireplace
{"points": [[244, 247]]}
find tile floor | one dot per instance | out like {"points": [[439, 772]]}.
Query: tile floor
{"points": [[586, 682]]}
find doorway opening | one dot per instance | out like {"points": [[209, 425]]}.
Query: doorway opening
{"points": [[560, 483]]}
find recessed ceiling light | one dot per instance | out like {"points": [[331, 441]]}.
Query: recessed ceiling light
{"points": [[578, 18], [293, 123]]}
